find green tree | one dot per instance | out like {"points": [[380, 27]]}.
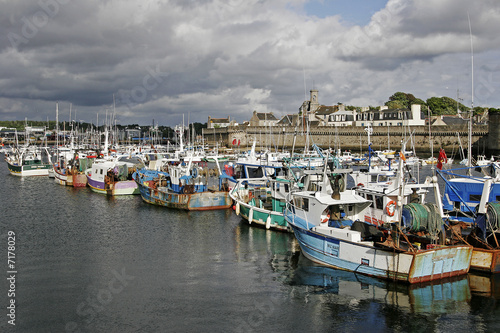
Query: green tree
{"points": [[395, 105], [444, 105], [401, 100]]}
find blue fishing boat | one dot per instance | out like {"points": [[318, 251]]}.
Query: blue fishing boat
{"points": [[472, 204], [182, 187], [464, 190]]}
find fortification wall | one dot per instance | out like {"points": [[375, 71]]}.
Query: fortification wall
{"points": [[355, 138], [494, 133]]}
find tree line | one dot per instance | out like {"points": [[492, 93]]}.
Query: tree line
{"points": [[437, 105]]}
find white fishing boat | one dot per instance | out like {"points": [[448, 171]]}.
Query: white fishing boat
{"points": [[114, 177], [328, 226], [29, 161]]}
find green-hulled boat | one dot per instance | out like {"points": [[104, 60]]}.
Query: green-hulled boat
{"points": [[29, 161], [263, 205]]}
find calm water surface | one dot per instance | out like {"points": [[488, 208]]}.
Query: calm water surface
{"points": [[89, 263]]}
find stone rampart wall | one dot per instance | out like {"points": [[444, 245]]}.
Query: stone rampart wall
{"points": [[353, 138]]}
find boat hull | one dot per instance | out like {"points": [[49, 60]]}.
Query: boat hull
{"points": [[364, 258], [485, 260], [126, 187], [263, 217], [29, 169], [208, 200], [60, 177], [79, 180]]}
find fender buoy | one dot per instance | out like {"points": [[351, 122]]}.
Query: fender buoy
{"points": [[390, 208], [360, 185], [237, 208], [268, 222], [250, 216]]}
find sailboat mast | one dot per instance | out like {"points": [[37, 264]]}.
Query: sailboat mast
{"points": [[57, 135], [469, 147]]}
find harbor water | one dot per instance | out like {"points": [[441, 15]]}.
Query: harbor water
{"points": [[84, 262]]}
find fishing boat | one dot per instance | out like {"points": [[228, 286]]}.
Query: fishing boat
{"points": [[464, 188], [29, 161], [70, 170], [182, 187], [328, 226], [382, 189], [263, 205], [113, 176], [472, 203]]}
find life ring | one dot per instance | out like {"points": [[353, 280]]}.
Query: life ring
{"points": [[324, 218], [360, 185], [390, 208]]}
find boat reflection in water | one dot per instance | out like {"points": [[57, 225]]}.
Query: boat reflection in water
{"points": [[444, 297], [485, 285]]}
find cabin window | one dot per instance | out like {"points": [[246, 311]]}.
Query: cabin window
{"points": [[287, 189], [382, 178], [101, 171], [498, 198], [237, 172], [379, 202], [302, 203], [475, 197], [369, 197], [373, 178], [313, 187], [305, 204], [254, 172]]}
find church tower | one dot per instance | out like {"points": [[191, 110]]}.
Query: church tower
{"points": [[314, 104]]}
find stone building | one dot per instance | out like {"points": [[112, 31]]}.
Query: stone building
{"points": [[384, 116], [219, 122], [263, 119]]}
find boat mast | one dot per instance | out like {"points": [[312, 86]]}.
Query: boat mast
{"points": [[430, 139], [57, 134], [469, 147]]}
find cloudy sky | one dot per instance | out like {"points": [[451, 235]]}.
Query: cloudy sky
{"points": [[165, 59]]}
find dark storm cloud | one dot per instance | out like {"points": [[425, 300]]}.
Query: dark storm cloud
{"points": [[162, 59]]}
